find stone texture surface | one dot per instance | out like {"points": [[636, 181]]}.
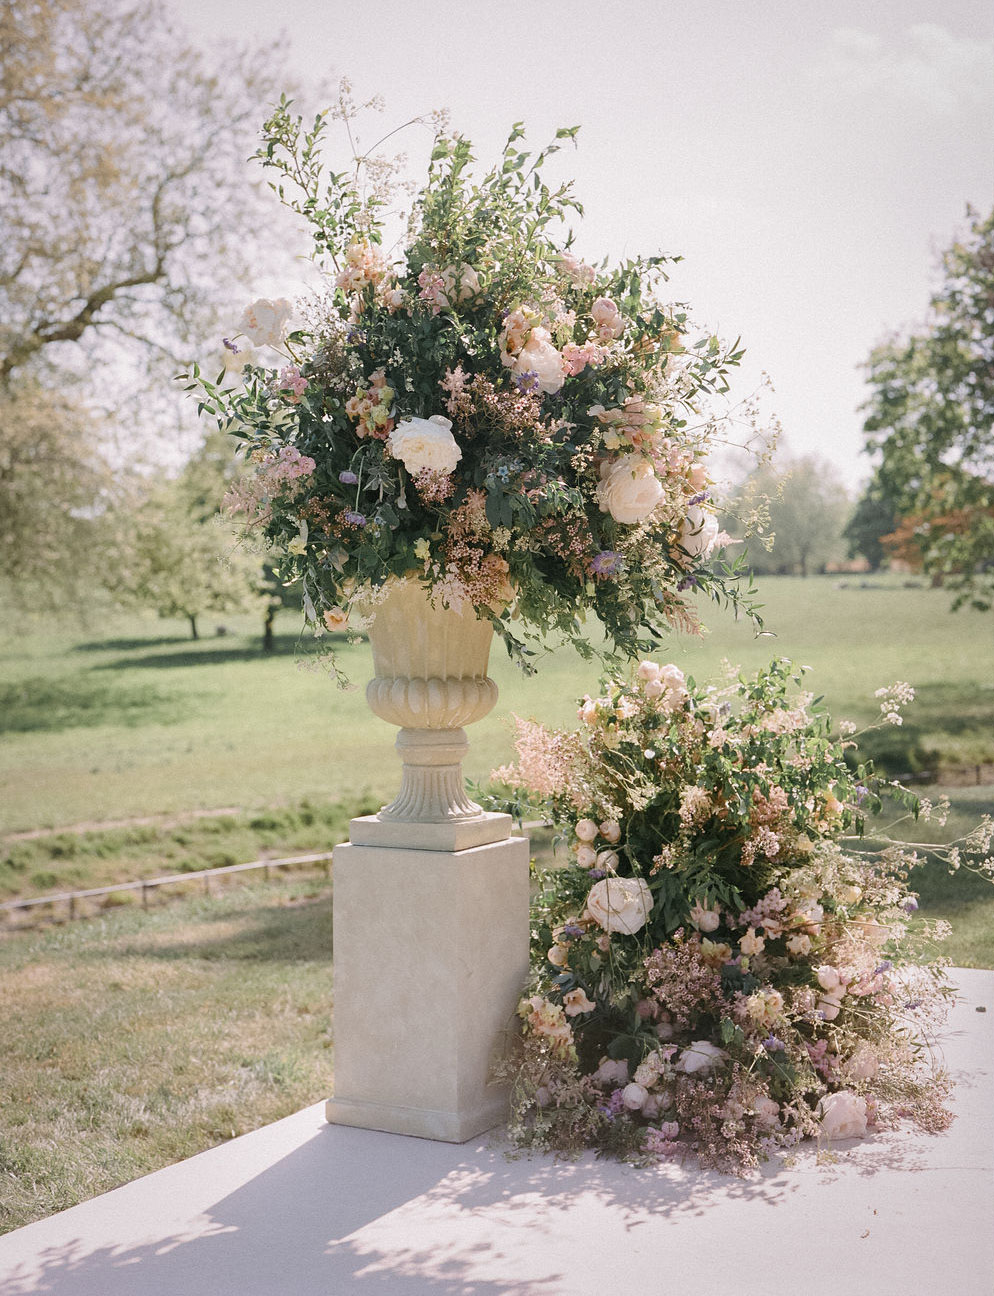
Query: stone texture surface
{"points": [[302, 1208], [371, 830], [431, 952]]}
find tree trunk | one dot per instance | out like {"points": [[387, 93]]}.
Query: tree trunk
{"points": [[193, 626], [268, 639]]}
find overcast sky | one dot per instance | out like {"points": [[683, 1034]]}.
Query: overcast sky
{"points": [[807, 160]]}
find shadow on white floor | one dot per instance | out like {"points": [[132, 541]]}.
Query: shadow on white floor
{"points": [[302, 1208]]}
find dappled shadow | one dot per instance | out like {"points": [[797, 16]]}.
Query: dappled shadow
{"points": [[39, 704], [295, 932], [354, 1210]]}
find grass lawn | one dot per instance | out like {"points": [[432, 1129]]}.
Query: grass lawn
{"points": [[137, 1039], [137, 719]]}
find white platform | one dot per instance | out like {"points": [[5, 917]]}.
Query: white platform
{"points": [[302, 1208]]}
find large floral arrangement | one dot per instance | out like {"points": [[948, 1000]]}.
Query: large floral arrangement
{"points": [[716, 970], [524, 432]]}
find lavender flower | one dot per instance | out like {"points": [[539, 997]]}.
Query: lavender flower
{"points": [[572, 929], [231, 346], [347, 478], [699, 499], [910, 905], [528, 381], [773, 1045], [688, 582], [606, 563], [353, 519]]}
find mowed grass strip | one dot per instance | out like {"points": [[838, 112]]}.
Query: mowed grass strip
{"points": [[68, 861], [137, 719], [134, 1040]]}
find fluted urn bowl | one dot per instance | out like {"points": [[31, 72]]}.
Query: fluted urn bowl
{"points": [[430, 678]]}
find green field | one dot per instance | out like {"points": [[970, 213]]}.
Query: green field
{"points": [[133, 1039], [133, 718]]}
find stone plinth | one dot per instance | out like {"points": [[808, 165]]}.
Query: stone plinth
{"points": [[431, 954]]}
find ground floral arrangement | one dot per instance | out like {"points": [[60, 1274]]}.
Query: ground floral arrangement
{"points": [[523, 432], [720, 970]]}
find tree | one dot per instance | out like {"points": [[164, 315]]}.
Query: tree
{"points": [[872, 518], [930, 424], [128, 211], [182, 566], [807, 505]]}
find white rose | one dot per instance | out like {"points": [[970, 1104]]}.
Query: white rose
{"points": [[611, 831], [425, 443], [620, 904], [633, 1096], [828, 976], [265, 322], [647, 670], [629, 490], [702, 1055], [699, 532], [842, 1115], [540, 357]]}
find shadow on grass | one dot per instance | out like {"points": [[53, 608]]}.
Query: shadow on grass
{"points": [[296, 932], [208, 652], [39, 704], [130, 645]]}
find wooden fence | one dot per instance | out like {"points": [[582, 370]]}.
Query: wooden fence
{"points": [[71, 899]]}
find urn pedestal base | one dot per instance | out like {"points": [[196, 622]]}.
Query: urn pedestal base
{"points": [[430, 956]]}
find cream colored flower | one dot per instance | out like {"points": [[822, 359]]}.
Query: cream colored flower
{"points": [[633, 1096], [799, 944], [336, 619], [715, 953], [842, 1115], [629, 489], [705, 920], [265, 322], [539, 357], [751, 944], [425, 443], [576, 1002], [586, 830], [699, 533], [702, 1055], [586, 856], [610, 830], [620, 904]]}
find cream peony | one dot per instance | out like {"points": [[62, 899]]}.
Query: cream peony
{"points": [[586, 856], [702, 1055], [864, 1064], [842, 1115], [265, 322], [611, 831], [629, 490], [586, 830], [540, 357], [620, 904], [425, 443], [699, 533]]}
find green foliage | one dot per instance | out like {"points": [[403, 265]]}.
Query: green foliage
{"points": [[930, 425]]}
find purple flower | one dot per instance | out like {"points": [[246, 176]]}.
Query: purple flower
{"points": [[353, 518], [885, 966], [606, 563], [527, 381], [597, 874], [688, 582], [773, 1045], [347, 478], [910, 905], [572, 929], [231, 346], [699, 499]]}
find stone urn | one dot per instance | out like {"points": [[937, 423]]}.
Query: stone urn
{"points": [[431, 679]]}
